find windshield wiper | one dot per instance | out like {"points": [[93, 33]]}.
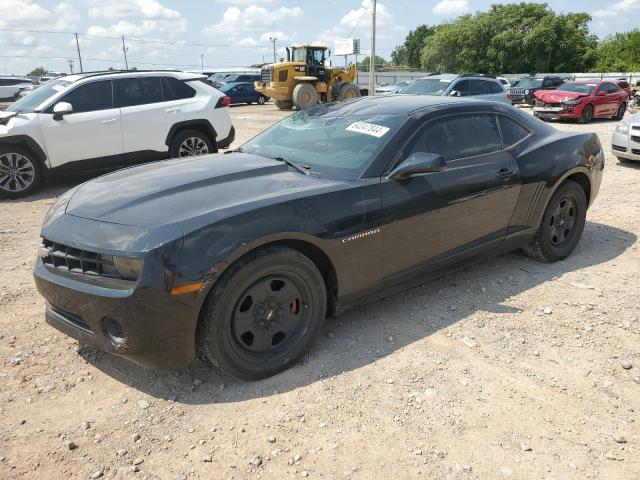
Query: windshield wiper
{"points": [[237, 150], [304, 169]]}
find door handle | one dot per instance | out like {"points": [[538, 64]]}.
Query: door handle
{"points": [[171, 110], [109, 120], [505, 173]]}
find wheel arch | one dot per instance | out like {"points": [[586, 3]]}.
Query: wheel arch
{"points": [[202, 125], [299, 242], [29, 143]]}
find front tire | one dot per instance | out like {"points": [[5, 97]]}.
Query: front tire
{"points": [[562, 224], [191, 143], [262, 100], [305, 96], [348, 91], [21, 173], [587, 114], [620, 113], [263, 314]]}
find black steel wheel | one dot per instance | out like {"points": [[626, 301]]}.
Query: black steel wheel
{"points": [[587, 114], [20, 172], [620, 113], [263, 314], [562, 224]]}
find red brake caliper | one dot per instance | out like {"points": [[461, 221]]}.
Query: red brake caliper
{"points": [[294, 306]]}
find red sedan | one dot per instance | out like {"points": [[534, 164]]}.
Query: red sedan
{"points": [[583, 100]]}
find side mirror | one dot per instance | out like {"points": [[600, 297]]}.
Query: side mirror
{"points": [[455, 93], [61, 109], [418, 163]]}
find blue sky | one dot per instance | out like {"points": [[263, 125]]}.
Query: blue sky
{"points": [[227, 32]]}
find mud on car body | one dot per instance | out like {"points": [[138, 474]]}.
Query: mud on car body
{"points": [[243, 258]]}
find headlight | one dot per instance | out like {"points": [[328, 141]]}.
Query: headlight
{"points": [[527, 92], [127, 267], [622, 127], [572, 102]]}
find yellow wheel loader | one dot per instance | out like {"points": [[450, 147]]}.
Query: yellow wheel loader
{"points": [[304, 80]]}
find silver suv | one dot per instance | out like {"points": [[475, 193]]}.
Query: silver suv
{"points": [[466, 85]]}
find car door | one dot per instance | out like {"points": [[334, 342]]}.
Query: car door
{"points": [[601, 101], [613, 98], [439, 218], [92, 131], [146, 117]]}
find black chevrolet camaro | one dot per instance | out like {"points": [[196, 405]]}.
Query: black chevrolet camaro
{"points": [[240, 257]]}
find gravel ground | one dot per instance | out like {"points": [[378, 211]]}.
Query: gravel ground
{"points": [[510, 369]]}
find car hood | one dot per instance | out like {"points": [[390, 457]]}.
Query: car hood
{"points": [[554, 96], [177, 190]]}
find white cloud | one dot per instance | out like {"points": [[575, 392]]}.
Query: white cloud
{"points": [[618, 8], [252, 25], [133, 9], [451, 7], [21, 12], [145, 27], [244, 3]]}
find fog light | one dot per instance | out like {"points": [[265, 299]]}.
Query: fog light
{"points": [[114, 332]]}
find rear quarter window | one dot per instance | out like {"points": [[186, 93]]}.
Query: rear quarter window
{"points": [[512, 131], [174, 89]]}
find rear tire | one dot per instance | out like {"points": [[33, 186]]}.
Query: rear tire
{"points": [[562, 224], [305, 96], [263, 314], [587, 114], [348, 91], [284, 104], [262, 100], [191, 143], [21, 173]]}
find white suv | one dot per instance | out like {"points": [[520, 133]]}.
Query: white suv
{"points": [[11, 87], [107, 120]]}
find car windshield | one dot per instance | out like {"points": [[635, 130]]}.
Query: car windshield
{"points": [[337, 147], [428, 86], [530, 83], [30, 102], [587, 88]]}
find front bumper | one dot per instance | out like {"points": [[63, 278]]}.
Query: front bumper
{"points": [[158, 329], [522, 99], [625, 147], [556, 113]]}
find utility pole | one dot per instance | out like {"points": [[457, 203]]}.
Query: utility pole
{"points": [[202, 61], [124, 50], [372, 58], [71, 65], [273, 40], [79, 56]]}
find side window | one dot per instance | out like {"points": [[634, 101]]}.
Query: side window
{"points": [[491, 87], [547, 82], [462, 86], [137, 91], [512, 131], [451, 137], [174, 89], [90, 97]]}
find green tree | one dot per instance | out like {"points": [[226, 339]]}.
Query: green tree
{"points": [[408, 54], [38, 72], [379, 62], [512, 38], [619, 53]]}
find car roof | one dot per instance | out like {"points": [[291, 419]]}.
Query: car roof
{"points": [[132, 73], [398, 104], [595, 80], [14, 77], [233, 84]]}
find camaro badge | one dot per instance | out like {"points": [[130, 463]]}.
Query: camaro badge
{"points": [[360, 235]]}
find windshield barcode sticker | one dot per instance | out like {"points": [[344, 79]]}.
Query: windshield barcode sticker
{"points": [[368, 129]]}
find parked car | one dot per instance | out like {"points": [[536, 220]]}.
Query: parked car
{"points": [[583, 101], [505, 83], [243, 93], [234, 78], [51, 75], [103, 121], [625, 141], [241, 257], [467, 85], [11, 87], [393, 88], [624, 85], [523, 93]]}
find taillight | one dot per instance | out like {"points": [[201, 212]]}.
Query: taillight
{"points": [[509, 97], [223, 102]]}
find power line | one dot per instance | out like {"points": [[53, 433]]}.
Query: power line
{"points": [[360, 19]]}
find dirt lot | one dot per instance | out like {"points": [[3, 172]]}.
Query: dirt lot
{"points": [[510, 369]]}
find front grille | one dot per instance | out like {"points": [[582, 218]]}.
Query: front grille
{"points": [[618, 148], [266, 74], [69, 259], [635, 151], [540, 103], [635, 138], [516, 91]]}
